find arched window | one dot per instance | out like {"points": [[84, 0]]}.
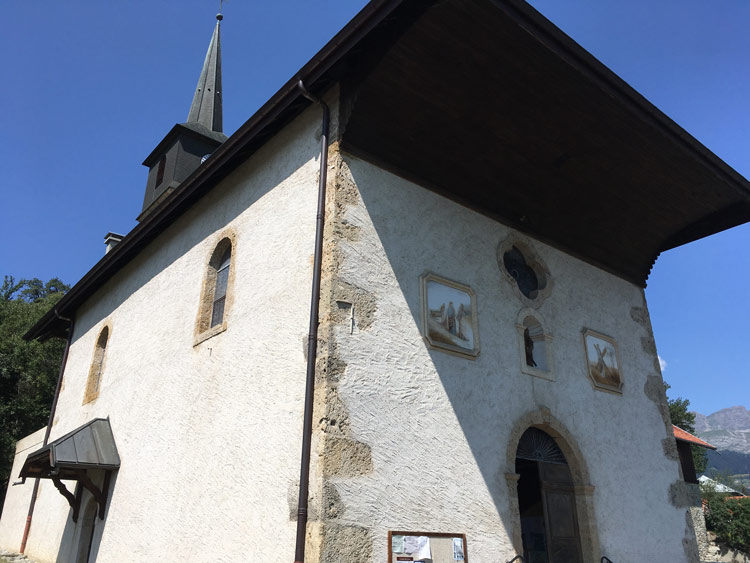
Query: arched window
{"points": [[220, 287], [94, 381], [216, 292]]}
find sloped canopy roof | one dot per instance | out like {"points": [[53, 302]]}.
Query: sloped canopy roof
{"points": [[91, 446], [684, 436], [489, 104]]}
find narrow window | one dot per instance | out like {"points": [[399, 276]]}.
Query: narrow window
{"points": [[216, 295], [220, 291], [160, 171], [94, 380]]}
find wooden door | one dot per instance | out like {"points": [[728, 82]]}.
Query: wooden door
{"points": [[561, 522]]}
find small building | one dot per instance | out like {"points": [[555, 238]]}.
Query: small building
{"points": [[685, 441], [397, 316], [719, 487]]}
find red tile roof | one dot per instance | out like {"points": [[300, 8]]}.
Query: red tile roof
{"points": [[680, 434]]}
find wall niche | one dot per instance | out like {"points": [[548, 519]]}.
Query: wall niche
{"points": [[535, 345]]}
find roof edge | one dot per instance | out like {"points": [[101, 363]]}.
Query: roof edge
{"points": [[575, 55], [288, 102], [681, 435], [220, 164]]}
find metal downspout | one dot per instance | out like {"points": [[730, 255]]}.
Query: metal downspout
{"points": [[34, 493], [312, 339]]}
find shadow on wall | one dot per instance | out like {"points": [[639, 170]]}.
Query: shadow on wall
{"points": [[81, 540], [480, 398]]}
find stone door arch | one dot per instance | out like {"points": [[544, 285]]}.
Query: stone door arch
{"points": [[581, 484]]}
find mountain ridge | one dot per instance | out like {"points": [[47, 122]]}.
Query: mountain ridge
{"points": [[727, 429]]}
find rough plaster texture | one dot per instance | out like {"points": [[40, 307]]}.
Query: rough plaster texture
{"points": [[437, 428], [406, 438], [209, 435]]}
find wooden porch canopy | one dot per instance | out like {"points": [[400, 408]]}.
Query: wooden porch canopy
{"points": [[88, 447]]}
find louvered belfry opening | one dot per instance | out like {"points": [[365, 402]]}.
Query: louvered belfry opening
{"points": [[546, 501]]}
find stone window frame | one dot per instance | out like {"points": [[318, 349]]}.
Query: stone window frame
{"points": [[203, 328], [533, 261], [549, 373], [98, 361]]}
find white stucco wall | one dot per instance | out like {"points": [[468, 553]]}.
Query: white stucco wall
{"points": [[439, 425], [208, 435], [17, 498]]}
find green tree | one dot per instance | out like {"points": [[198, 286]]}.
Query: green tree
{"points": [[682, 417], [728, 518], [28, 370]]}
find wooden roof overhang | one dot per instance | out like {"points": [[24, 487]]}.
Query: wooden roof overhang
{"points": [[489, 104]]}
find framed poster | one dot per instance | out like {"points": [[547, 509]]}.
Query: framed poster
{"points": [[426, 547], [449, 316]]}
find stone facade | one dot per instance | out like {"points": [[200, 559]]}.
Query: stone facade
{"points": [[445, 428], [406, 437]]}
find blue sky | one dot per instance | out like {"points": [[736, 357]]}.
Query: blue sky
{"points": [[90, 88]]}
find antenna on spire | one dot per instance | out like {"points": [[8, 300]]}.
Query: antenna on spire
{"points": [[220, 15]]}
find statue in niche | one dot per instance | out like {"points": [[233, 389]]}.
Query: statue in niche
{"points": [[529, 345]]}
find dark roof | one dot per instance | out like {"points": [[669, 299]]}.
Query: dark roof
{"points": [[190, 129], [91, 446], [206, 108], [489, 104], [685, 436]]}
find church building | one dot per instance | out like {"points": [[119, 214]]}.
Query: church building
{"points": [[398, 315]]}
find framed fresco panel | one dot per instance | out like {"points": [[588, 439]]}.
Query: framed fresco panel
{"points": [[449, 316], [602, 361]]}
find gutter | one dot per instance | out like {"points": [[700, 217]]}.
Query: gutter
{"points": [[35, 491], [312, 338]]}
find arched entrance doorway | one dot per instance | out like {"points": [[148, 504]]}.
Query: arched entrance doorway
{"points": [[546, 501]]}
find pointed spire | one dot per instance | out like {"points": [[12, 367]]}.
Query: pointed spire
{"points": [[206, 106]]}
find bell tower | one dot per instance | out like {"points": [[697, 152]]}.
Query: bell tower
{"points": [[189, 144]]}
